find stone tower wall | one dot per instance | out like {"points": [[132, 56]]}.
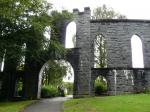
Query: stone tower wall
{"points": [[82, 20]]}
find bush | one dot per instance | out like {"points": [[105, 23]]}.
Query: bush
{"points": [[100, 87], [146, 91], [49, 91], [61, 91], [69, 87]]}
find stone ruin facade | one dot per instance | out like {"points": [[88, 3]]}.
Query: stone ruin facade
{"points": [[121, 77]]}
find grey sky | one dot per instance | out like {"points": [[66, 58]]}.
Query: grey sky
{"points": [[133, 9]]}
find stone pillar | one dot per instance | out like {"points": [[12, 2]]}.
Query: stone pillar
{"points": [[138, 81], [129, 81], [74, 61], [83, 75], [147, 79], [111, 81]]}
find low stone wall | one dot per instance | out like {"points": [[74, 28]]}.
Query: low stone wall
{"points": [[123, 81]]}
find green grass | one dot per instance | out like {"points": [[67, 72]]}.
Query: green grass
{"points": [[127, 103], [13, 106]]}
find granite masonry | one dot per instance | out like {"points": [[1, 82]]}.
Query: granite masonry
{"points": [[121, 77]]}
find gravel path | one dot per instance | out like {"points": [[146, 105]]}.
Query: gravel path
{"points": [[48, 105]]}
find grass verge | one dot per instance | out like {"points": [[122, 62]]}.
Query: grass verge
{"points": [[14, 106], [126, 103]]}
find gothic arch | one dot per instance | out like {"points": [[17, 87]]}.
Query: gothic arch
{"points": [[70, 37], [100, 54], [41, 75], [137, 51]]}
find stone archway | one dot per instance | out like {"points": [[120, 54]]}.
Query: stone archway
{"points": [[103, 72], [41, 74], [101, 86]]}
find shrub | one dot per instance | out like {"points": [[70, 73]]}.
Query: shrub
{"points": [[100, 86], [100, 89], [146, 91], [49, 91], [69, 87], [61, 91]]}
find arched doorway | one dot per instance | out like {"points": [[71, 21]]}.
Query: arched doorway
{"points": [[137, 52], [70, 41], [57, 75], [100, 86]]}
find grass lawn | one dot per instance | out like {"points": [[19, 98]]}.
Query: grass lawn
{"points": [[126, 103], [13, 106]]}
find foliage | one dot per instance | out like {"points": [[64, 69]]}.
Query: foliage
{"points": [[58, 20], [100, 86], [54, 73], [14, 106], [106, 13], [49, 91], [146, 91], [61, 91], [69, 87], [19, 87], [100, 51], [19, 18], [24, 23], [127, 103], [53, 50]]}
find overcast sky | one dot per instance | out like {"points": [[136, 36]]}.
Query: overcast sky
{"points": [[133, 9]]}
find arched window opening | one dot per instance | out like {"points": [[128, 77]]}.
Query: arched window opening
{"points": [[70, 41], [100, 52], [137, 52], [57, 75], [100, 86], [19, 87]]}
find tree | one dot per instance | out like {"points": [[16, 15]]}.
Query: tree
{"points": [[106, 13], [100, 43], [37, 53], [100, 51], [58, 20], [19, 18], [24, 23], [56, 69], [54, 72]]}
